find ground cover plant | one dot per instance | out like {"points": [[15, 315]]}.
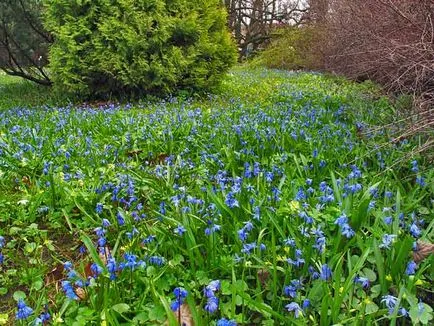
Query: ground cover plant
{"points": [[276, 202]]}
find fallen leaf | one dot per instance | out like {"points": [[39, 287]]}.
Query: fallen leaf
{"points": [[423, 250], [183, 315]]}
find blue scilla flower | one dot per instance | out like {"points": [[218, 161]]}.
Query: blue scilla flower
{"points": [[248, 173], [163, 208], [157, 260], [179, 230], [420, 181], [363, 281], [23, 311], [180, 295], [99, 208], [149, 239], [326, 272], [387, 240], [211, 288], [300, 196], [306, 304], [414, 230], [96, 269], [390, 301], [226, 322], [388, 220], [105, 223], [212, 304], [414, 166], [2, 258], [248, 247], [99, 231], [42, 319], [2, 241], [411, 268], [313, 273], [347, 231], [289, 242], [256, 169], [120, 218], [256, 213], [213, 228], [291, 290], [293, 306], [69, 290], [112, 268], [230, 200]]}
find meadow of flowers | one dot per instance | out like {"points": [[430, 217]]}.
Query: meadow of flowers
{"points": [[280, 201]]}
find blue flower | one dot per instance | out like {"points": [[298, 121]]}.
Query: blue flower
{"points": [[363, 281], [163, 208], [105, 223], [390, 301], [211, 288], [291, 290], [179, 230], [293, 306], [387, 240], [326, 272], [120, 218], [230, 201], [411, 268], [306, 304], [24, 311], [248, 247], [347, 231], [2, 258], [212, 304], [156, 260], [2, 241], [414, 167], [99, 208], [226, 322], [414, 230], [69, 290], [341, 220], [388, 220], [112, 268], [420, 181], [180, 295]]}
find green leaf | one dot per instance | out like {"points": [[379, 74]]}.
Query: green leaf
{"points": [[19, 295], [121, 308], [421, 313], [371, 308], [4, 319], [30, 247]]}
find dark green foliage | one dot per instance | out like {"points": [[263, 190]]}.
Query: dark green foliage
{"points": [[131, 47], [23, 40]]}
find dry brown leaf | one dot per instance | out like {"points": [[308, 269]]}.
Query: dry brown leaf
{"points": [[55, 275], [422, 251], [80, 293], [183, 315], [263, 276]]}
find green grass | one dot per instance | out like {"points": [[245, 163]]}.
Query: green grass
{"points": [[276, 187], [16, 92]]}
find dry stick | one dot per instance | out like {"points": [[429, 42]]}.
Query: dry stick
{"points": [[412, 131], [395, 122], [420, 149]]}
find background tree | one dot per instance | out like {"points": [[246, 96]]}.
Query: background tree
{"points": [[252, 22], [23, 40]]}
